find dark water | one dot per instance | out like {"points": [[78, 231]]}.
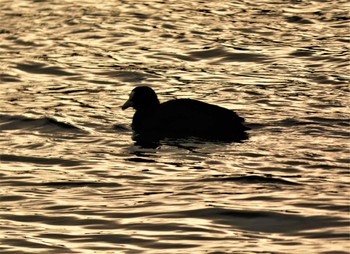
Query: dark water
{"points": [[73, 181]]}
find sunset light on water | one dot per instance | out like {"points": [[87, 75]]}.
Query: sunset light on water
{"points": [[72, 177]]}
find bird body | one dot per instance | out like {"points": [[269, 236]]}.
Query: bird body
{"points": [[181, 118]]}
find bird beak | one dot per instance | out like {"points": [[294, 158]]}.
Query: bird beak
{"points": [[129, 103]]}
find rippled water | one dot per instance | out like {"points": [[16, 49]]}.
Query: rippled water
{"points": [[73, 181]]}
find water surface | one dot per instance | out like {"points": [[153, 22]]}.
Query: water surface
{"points": [[73, 181]]}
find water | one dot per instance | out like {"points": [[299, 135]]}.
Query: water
{"points": [[73, 181]]}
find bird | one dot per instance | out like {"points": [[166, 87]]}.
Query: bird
{"points": [[182, 118]]}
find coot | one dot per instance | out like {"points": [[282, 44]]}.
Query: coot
{"points": [[182, 118]]}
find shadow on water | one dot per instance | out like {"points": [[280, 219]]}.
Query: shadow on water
{"points": [[187, 143], [190, 143]]}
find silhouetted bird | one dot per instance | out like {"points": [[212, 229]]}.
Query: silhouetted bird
{"points": [[182, 118]]}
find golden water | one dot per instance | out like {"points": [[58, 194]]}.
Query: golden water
{"points": [[73, 181]]}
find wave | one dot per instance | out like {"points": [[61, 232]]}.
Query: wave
{"points": [[251, 179], [45, 124], [38, 160]]}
